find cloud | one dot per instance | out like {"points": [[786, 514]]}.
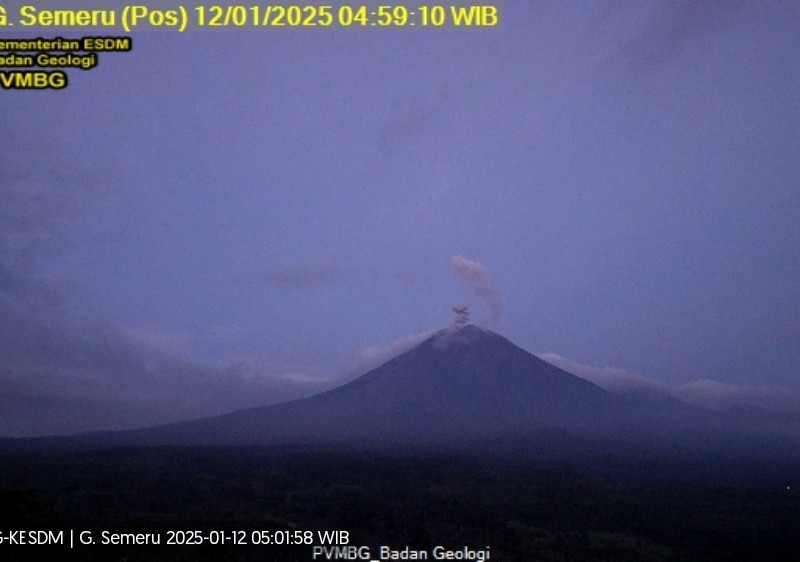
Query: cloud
{"points": [[609, 378], [301, 378], [704, 393], [411, 120], [406, 276], [670, 27], [31, 218], [474, 275], [374, 356], [300, 275], [63, 374], [722, 396]]}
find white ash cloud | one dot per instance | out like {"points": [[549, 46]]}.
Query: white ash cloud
{"points": [[474, 275]]}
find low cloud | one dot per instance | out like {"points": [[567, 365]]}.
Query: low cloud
{"points": [[60, 375], [704, 393], [303, 379], [722, 396], [609, 378], [375, 356]]}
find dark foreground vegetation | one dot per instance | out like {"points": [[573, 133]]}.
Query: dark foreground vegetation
{"points": [[525, 509]]}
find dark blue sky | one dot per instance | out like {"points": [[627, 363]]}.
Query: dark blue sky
{"points": [[219, 219]]}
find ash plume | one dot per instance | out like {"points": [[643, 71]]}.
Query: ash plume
{"points": [[474, 275], [462, 316]]}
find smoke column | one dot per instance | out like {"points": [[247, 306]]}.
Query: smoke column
{"points": [[474, 275]]}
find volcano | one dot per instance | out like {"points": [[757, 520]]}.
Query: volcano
{"points": [[459, 385], [463, 388]]}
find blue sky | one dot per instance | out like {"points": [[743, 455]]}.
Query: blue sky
{"points": [[219, 219]]}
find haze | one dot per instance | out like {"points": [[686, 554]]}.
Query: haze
{"points": [[221, 220]]}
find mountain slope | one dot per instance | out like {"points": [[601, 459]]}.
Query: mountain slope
{"points": [[457, 385], [466, 388]]}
